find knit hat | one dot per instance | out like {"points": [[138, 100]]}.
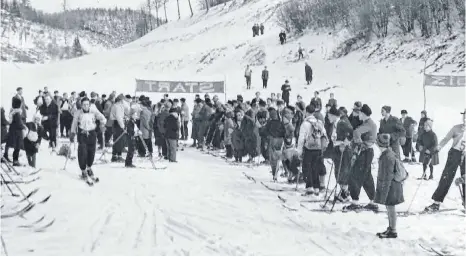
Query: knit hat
{"points": [[82, 94], [198, 100], [128, 96], [142, 98], [16, 103], [357, 105], [429, 123], [104, 95], [366, 110], [404, 112], [387, 108], [343, 110], [424, 112], [383, 140], [334, 111]]}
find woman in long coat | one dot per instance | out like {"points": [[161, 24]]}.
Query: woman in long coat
{"points": [[15, 132], [427, 144], [388, 192], [146, 125]]}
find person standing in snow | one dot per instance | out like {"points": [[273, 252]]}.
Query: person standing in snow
{"points": [[247, 75], [393, 126], [420, 128], [389, 191], [364, 138], [265, 77], [312, 142], [300, 52], [15, 131], [332, 101], [132, 132], [65, 117], [341, 136], [24, 107], [354, 116], [409, 125], [33, 139], [5, 124], [49, 112], [308, 73], [108, 127], [145, 125], [275, 133], [196, 121], [117, 116], [286, 89], [456, 157], [172, 129], [84, 127], [428, 147], [229, 127], [262, 28], [316, 101], [184, 119]]}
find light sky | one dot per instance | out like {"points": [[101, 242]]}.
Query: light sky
{"points": [[57, 5]]}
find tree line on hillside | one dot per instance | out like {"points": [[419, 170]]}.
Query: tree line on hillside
{"points": [[125, 23], [374, 17]]}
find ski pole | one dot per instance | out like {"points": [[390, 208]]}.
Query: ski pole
{"points": [[10, 168], [4, 246], [336, 182], [114, 142], [417, 189], [328, 182], [147, 149], [7, 186]]}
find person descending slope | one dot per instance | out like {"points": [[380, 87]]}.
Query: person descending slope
{"points": [[84, 126]]}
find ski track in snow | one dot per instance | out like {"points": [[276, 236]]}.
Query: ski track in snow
{"points": [[203, 206]]}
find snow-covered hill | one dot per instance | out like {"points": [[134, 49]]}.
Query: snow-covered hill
{"points": [[202, 206]]}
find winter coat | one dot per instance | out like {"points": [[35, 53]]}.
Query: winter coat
{"points": [[275, 129], [172, 127], [117, 113], [394, 127], [145, 122], [107, 110], [388, 192], [312, 135], [409, 124], [15, 131], [184, 113], [289, 133], [343, 130], [298, 120], [354, 120], [333, 102], [204, 120], [428, 141], [308, 72], [50, 111], [237, 142], [161, 120], [5, 123], [33, 138], [24, 107], [286, 88], [265, 75], [87, 121], [328, 126], [366, 133], [251, 136], [228, 127], [317, 103]]}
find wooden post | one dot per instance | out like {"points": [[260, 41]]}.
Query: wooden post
{"points": [[225, 89], [424, 82]]}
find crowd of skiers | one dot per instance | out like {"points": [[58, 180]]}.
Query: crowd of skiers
{"points": [[297, 137]]}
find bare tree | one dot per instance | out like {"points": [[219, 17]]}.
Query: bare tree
{"points": [[178, 5], [149, 7], [207, 5], [157, 6], [190, 8], [165, 9]]}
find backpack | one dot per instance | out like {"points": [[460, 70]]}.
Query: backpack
{"points": [[401, 174], [316, 139]]}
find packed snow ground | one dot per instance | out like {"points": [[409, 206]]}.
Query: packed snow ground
{"points": [[202, 205]]}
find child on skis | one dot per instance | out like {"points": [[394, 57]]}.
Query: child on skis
{"points": [[427, 144], [33, 139]]}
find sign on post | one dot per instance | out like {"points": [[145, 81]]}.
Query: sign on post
{"points": [[180, 86], [443, 81]]}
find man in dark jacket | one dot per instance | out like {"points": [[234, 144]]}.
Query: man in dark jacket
{"points": [[49, 112], [354, 116], [308, 72], [24, 107], [316, 101], [265, 77], [393, 126], [342, 136], [408, 124], [286, 89], [282, 37], [172, 133], [5, 123]]}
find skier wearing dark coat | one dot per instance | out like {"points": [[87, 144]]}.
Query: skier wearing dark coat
{"points": [[354, 116], [428, 147], [393, 126], [84, 127], [172, 134], [408, 124], [308, 73], [316, 101], [49, 112], [420, 128], [389, 192], [275, 133], [265, 77], [286, 89], [5, 123], [15, 132], [32, 140]]}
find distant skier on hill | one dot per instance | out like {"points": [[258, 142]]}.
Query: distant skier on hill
{"points": [[262, 29], [286, 88], [247, 75], [265, 77], [282, 37], [308, 73], [300, 52]]}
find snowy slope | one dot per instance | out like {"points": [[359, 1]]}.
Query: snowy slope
{"points": [[201, 205]]}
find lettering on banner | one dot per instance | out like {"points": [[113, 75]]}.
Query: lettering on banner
{"points": [[206, 87], [164, 87], [179, 88], [191, 86]]}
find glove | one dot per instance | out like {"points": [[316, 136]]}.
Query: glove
{"points": [[402, 140], [342, 148], [72, 135], [427, 151]]}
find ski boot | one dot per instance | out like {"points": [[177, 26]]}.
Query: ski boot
{"points": [[352, 207], [16, 164], [309, 192], [431, 177], [130, 166], [387, 234], [405, 160], [343, 196], [432, 208], [423, 177], [413, 160], [372, 207], [90, 173], [85, 178]]}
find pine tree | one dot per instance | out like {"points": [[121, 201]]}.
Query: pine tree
{"points": [[77, 48], [15, 9]]}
